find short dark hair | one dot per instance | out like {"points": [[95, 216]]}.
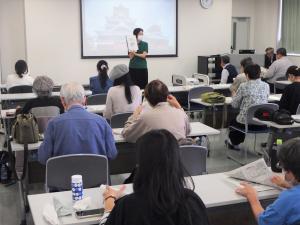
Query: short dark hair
{"points": [[289, 156], [246, 61], [293, 70], [225, 59], [281, 51], [21, 68], [136, 31], [253, 71], [156, 91]]}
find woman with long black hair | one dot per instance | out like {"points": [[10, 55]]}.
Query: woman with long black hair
{"points": [[124, 96], [101, 83], [138, 63], [161, 195]]}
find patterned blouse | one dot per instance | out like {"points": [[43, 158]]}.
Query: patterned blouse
{"points": [[250, 93]]}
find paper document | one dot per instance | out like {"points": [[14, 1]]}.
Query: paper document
{"points": [[235, 183], [256, 172], [131, 43]]}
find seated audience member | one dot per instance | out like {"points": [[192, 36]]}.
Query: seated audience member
{"points": [[254, 91], [241, 78], [21, 77], [43, 87], [229, 71], [286, 208], [270, 57], [278, 68], [101, 83], [160, 192], [76, 131], [290, 98], [165, 113], [124, 96]]}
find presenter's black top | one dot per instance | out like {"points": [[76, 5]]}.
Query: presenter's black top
{"points": [[43, 102], [134, 210], [290, 99], [137, 62]]}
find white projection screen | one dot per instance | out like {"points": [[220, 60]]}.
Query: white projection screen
{"points": [[106, 23]]}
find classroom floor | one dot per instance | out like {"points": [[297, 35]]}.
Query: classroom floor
{"points": [[217, 162]]}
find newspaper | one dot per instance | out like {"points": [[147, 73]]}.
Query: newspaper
{"points": [[131, 43], [256, 172]]}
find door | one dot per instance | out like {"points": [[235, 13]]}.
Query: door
{"points": [[240, 38]]}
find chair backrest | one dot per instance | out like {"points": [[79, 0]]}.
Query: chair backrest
{"points": [[118, 120], [193, 158], [93, 168], [298, 110], [20, 89], [252, 109], [99, 99], [44, 115], [203, 78]]}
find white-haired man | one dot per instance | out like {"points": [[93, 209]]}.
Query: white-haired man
{"points": [[76, 131]]}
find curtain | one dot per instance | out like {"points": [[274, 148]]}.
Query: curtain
{"points": [[290, 31]]}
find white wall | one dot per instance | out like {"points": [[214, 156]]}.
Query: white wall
{"points": [[53, 39], [245, 8], [12, 35], [264, 25]]}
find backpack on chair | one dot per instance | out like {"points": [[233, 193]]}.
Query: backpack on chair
{"points": [[25, 130]]}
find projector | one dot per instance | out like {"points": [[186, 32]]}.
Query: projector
{"points": [[180, 80]]}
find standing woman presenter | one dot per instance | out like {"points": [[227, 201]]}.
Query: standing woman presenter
{"points": [[138, 63]]}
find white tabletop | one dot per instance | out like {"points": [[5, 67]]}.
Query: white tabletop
{"points": [[228, 100], [197, 129], [214, 190], [95, 108], [278, 126], [89, 108], [189, 87], [284, 82], [24, 96]]}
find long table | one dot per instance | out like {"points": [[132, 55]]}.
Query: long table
{"points": [[215, 190], [228, 101], [197, 129], [174, 89], [25, 96]]}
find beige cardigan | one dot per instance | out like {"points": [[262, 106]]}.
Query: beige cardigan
{"points": [[162, 116]]}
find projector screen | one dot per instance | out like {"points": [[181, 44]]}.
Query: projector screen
{"points": [[106, 23]]}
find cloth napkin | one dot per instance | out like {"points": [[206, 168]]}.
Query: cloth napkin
{"points": [[50, 214], [60, 209], [83, 204]]}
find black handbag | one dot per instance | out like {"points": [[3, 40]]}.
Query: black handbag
{"points": [[282, 117], [264, 114]]}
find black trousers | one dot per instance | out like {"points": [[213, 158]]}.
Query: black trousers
{"points": [[236, 137], [139, 77]]}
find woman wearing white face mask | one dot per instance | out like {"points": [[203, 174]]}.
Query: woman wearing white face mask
{"points": [[138, 63], [286, 208]]}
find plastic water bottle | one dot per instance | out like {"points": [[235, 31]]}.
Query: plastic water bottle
{"points": [[274, 160], [77, 187]]}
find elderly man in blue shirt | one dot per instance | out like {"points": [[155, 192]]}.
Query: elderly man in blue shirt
{"points": [[76, 131]]}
